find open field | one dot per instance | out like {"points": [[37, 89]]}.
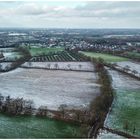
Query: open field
{"points": [[133, 55], [80, 66], [5, 65], [51, 88], [43, 51], [33, 127], [132, 65], [11, 56], [125, 112], [7, 49], [106, 57]]}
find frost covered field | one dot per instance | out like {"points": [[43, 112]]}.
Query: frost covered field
{"points": [[103, 134], [132, 65], [51, 87], [82, 66], [125, 112], [5, 65]]}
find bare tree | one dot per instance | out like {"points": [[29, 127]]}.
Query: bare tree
{"points": [[1, 55], [114, 64], [62, 108], [134, 72], [126, 68], [28, 107], [80, 66], [69, 65], [0, 66], [29, 64], [48, 65], [42, 111], [56, 66]]}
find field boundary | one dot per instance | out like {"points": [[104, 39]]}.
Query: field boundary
{"points": [[122, 71], [121, 133], [26, 67]]}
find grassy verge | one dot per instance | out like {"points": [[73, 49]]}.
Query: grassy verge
{"points": [[106, 57]]}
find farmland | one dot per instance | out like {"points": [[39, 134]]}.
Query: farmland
{"points": [[125, 113], [35, 51], [49, 76], [61, 56], [106, 57], [33, 127], [5, 65], [10, 54], [133, 55], [132, 65], [51, 88]]}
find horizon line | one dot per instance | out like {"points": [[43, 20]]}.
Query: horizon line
{"points": [[69, 28]]}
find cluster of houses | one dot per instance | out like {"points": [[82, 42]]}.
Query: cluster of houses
{"points": [[54, 39]]}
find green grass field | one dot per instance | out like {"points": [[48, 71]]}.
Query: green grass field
{"points": [[125, 111], [133, 55], [34, 128], [106, 57], [43, 51]]}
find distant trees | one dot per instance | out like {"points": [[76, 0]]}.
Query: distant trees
{"points": [[1, 55], [29, 64], [48, 66], [0, 66], [42, 111], [25, 56], [62, 108], [28, 107], [100, 106], [15, 106], [134, 72], [99, 64], [114, 65], [24, 52], [69, 65], [56, 66], [126, 68], [80, 66]]}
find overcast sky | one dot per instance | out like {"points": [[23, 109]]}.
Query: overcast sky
{"points": [[72, 14]]}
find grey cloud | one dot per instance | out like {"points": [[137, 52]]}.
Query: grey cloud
{"points": [[89, 9], [89, 14]]}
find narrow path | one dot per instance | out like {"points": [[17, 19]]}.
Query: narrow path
{"points": [[121, 133]]}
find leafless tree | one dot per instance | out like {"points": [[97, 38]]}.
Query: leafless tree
{"points": [[69, 65], [48, 65], [62, 108], [134, 72], [56, 66], [80, 66]]}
